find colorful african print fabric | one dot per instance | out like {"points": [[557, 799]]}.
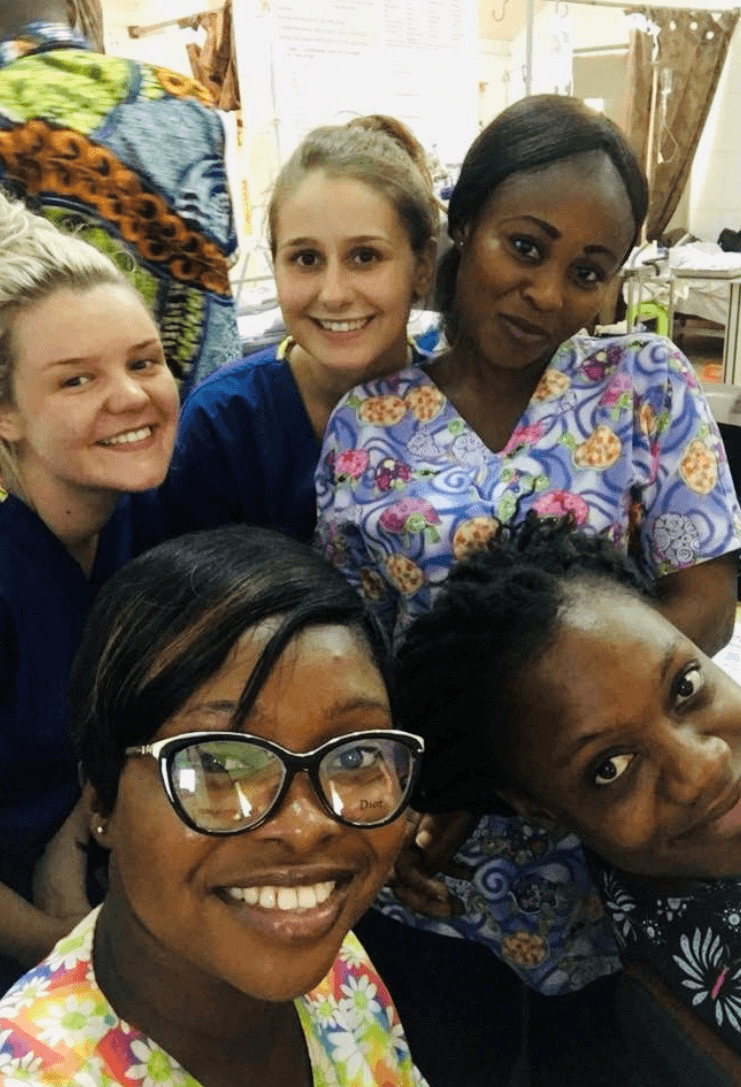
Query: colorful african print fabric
{"points": [[130, 156], [689, 936], [56, 1027], [618, 434]]}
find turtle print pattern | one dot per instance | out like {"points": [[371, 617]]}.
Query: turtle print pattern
{"points": [[617, 434]]}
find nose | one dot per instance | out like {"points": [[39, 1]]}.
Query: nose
{"points": [[544, 288], [125, 392], [697, 766], [336, 285], [301, 821]]}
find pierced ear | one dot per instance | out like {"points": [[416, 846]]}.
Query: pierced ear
{"points": [[10, 428], [528, 807], [459, 237], [97, 821]]}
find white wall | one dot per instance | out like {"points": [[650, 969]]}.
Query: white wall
{"points": [[715, 180]]}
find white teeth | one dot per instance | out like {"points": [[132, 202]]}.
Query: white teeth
{"points": [[129, 436], [267, 898], [287, 898], [343, 326], [307, 897], [284, 898], [323, 891]]}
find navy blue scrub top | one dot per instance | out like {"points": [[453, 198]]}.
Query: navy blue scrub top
{"points": [[44, 599], [245, 453]]}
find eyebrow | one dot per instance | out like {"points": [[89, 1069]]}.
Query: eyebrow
{"points": [[553, 232], [589, 737], [357, 240], [85, 359], [350, 705]]}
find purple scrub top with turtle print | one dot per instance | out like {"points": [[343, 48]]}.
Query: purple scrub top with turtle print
{"points": [[619, 434]]}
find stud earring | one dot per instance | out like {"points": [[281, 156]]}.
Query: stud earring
{"points": [[99, 829]]}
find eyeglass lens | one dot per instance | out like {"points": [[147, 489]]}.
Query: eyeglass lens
{"points": [[227, 784]]}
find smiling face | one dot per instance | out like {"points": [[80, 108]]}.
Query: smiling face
{"points": [[265, 911], [95, 405], [632, 737], [346, 275], [535, 266]]}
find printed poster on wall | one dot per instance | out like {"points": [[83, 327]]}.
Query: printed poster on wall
{"points": [[413, 59]]}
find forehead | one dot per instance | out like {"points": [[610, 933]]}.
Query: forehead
{"points": [[603, 667], [80, 324], [323, 671], [584, 194], [322, 205]]}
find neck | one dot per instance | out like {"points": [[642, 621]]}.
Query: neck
{"points": [[322, 387], [76, 517], [490, 400], [219, 1034], [463, 367], [15, 14]]}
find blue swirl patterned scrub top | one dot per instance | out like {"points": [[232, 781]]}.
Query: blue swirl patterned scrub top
{"points": [[619, 434]]}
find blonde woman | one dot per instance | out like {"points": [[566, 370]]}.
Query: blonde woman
{"points": [[88, 411]]}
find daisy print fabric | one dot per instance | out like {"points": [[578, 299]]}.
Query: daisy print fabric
{"points": [[617, 433], [691, 939], [56, 1027]]}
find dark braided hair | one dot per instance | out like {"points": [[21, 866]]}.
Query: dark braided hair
{"points": [[459, 666]]}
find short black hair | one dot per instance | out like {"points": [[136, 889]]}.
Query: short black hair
{"points": [[531, 134], [459, 665], [166, 622]]}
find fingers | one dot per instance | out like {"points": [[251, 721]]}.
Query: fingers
{"points": [[439, 837], [418, 890]]}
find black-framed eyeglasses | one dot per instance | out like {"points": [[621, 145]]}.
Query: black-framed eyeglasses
{"points": [[227, 782]]}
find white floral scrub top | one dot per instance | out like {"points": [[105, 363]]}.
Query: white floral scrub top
{"points": [[617, 433], [56, 1027]]}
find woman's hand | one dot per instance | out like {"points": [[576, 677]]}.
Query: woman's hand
{"points": [[59, 875], [27, 934], [430, 843]]}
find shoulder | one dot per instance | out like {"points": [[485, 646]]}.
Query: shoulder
{"points": [[22, 537], [390, 387], [350, 1015], [57, 1016], [243, 382], [632, 350]]}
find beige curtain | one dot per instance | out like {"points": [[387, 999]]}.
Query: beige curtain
{"points": [[214, 64], [692, 48]]}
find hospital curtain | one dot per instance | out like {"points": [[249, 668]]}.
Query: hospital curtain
{"points": [[691, 48]]}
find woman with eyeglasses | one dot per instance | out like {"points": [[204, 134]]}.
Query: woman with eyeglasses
{"points": [[230, 709]]}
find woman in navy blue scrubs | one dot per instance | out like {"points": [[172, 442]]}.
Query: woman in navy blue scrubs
{"points": [[88, 412]]}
